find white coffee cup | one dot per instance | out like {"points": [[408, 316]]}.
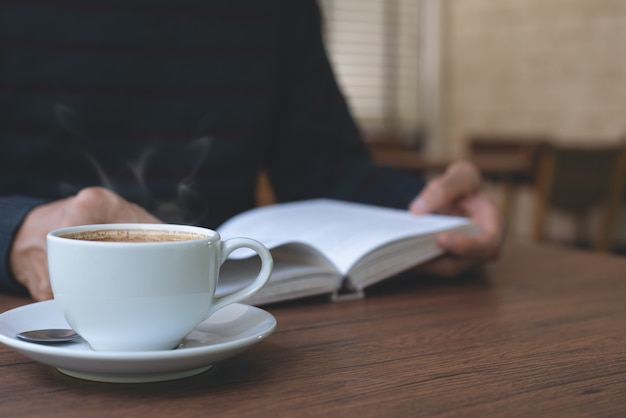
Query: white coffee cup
{"points": [[140, 296]]}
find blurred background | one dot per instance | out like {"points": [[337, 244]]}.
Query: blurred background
{"points": [[533, 91]]}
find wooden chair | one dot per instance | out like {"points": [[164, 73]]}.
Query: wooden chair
{"points": [[577, 180], [264, 192]]}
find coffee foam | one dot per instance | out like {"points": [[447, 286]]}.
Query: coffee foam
{"points": [[134, 235]]}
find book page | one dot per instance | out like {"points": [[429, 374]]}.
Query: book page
{"points": [[343, 231]]}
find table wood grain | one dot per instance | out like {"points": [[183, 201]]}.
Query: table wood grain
{"points": [[541, 332]]}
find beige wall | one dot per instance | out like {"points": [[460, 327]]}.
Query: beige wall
{"points": [[534, 66]]}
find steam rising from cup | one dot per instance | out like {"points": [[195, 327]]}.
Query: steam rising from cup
{"points": [[173, 210]]}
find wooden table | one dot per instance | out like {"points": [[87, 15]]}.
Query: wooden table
{"points": [[542, 332]]}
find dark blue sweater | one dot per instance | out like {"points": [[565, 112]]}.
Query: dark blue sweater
{"points": [[175, 105]]}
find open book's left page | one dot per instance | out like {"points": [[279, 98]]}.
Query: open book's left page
{"points": [[299, 271]]}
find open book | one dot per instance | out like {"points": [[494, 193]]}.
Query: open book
{"points": [[324, 246]]}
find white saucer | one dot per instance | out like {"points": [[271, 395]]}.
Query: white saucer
{"points": [[226, 333]]}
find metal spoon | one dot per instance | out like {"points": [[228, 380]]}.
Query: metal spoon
{"points": [[48, 336]]}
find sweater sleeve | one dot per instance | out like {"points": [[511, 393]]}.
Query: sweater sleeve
{"points": [[13, 210], [317, 150]]}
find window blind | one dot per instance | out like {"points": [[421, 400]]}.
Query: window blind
{"points": [[373, 47]]}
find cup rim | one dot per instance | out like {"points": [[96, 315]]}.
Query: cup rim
{"points": [[209, 235]]}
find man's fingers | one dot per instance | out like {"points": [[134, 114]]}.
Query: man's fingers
{"points": [[461, 179], [32, 271], [485, 243], [459, 192]]}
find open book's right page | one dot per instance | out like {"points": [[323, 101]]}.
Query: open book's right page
{"points": [[343, 231]]}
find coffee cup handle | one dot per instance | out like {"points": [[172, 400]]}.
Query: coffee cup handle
{"points": [[267, 263]]}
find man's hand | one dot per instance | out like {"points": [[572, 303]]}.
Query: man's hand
{"points": [[459, 191], [92, 205]]}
